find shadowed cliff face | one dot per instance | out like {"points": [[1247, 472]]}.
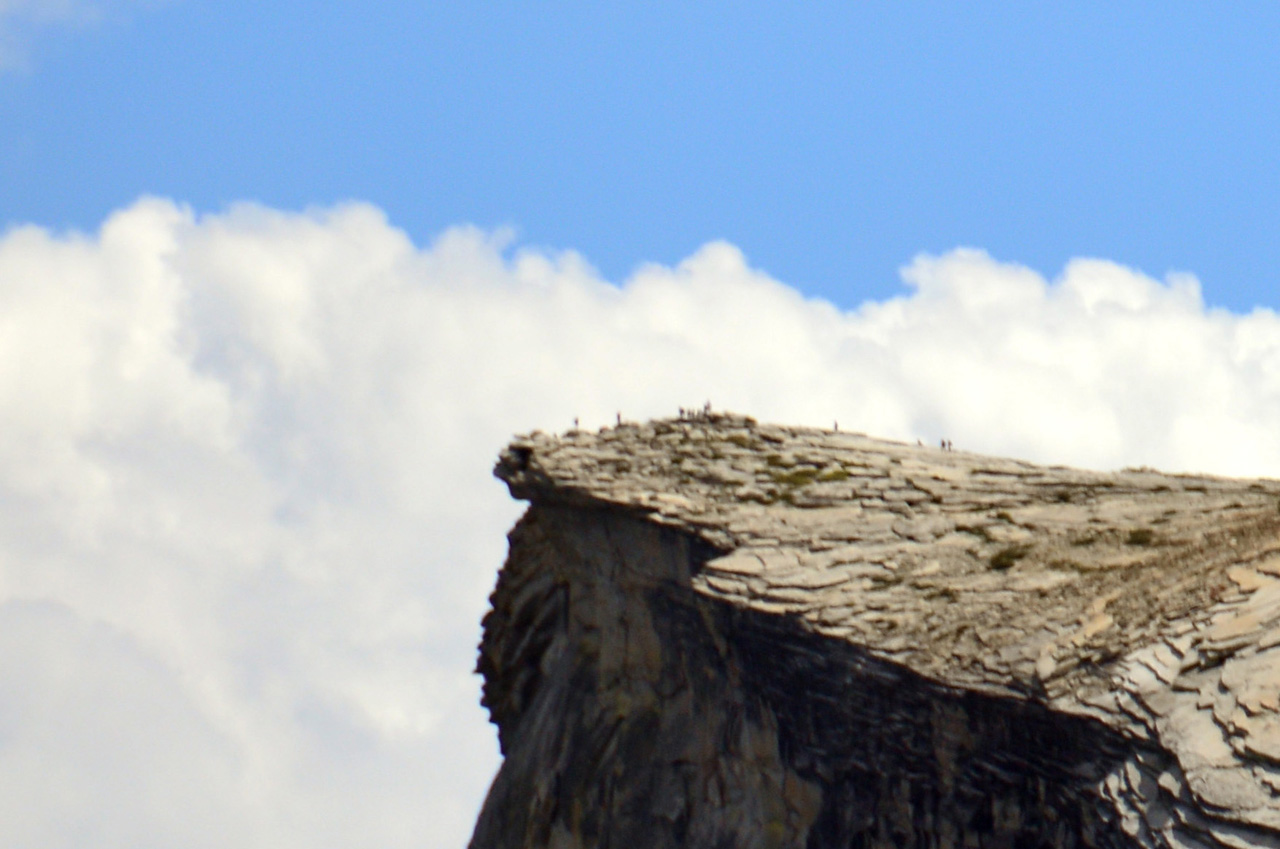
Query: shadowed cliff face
{"points": [[621, 711], [634, 712], [1019, 657]]}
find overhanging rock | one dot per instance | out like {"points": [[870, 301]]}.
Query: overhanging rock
{"points": [[712, 632]]}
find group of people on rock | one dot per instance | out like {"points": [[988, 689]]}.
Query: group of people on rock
{"points": [[696, 415]]}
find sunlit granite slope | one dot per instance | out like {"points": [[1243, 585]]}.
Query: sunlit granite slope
{"points": [[713, 632]]}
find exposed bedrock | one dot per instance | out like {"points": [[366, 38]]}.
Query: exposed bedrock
{"points": [[1023, 658]]}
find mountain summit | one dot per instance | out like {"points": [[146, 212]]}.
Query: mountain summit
{"points": [[718, 633]]}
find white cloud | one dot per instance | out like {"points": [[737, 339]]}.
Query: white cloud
{"points": [[21, 21], [248, 526]]}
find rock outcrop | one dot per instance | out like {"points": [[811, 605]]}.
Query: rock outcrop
{"points": [[711, 632]]}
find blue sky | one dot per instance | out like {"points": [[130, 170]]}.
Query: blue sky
{"points": [[830, 142], [278, 280]]}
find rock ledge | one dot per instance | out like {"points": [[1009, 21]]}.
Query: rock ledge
{"points": [[714, 632]]}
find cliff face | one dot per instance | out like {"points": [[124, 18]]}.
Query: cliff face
{"points": [[711, 632]]}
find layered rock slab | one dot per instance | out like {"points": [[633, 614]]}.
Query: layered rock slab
{"points": [[711, 631]]}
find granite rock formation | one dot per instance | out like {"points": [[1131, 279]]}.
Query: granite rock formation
{"points": [[717, 633]]}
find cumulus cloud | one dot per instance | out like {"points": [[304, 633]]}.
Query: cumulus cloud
{"points": [[248, 525]]}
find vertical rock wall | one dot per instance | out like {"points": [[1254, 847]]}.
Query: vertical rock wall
{"points": [[622, 715], [634, 712]]}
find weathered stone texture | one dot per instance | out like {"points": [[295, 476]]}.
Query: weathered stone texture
{"points": [[711, 632]]}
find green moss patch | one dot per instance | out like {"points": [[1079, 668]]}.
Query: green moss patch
{"points": [[1006, 557]]}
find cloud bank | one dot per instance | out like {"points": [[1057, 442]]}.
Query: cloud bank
{"points": [[248, 526]]}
